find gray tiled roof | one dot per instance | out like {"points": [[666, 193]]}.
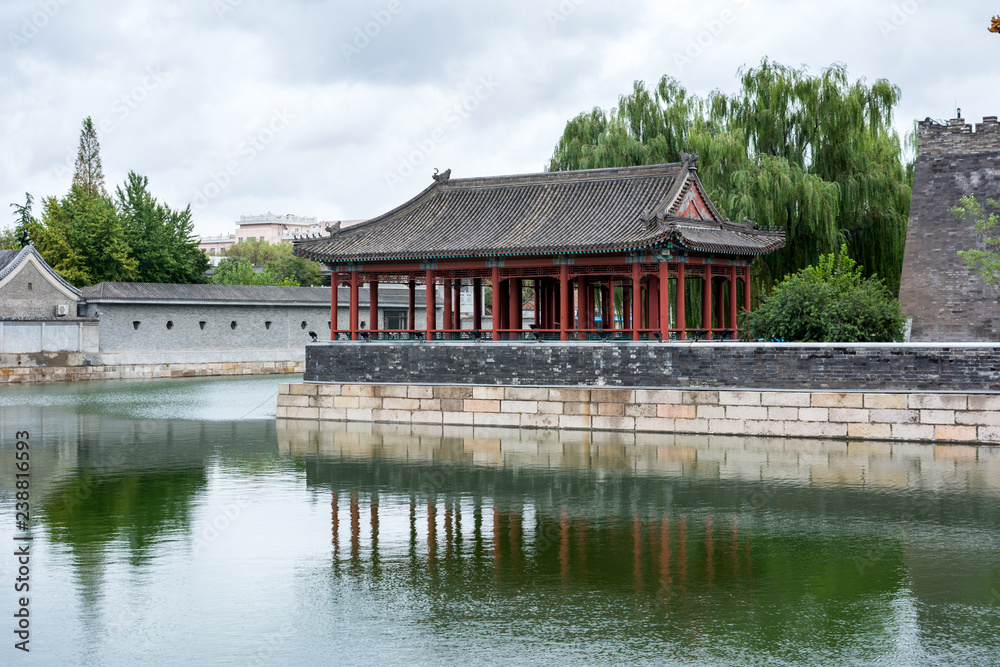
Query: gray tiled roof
{"points": [[248, 294], [598, 210], [169, 292], [11, 259]]}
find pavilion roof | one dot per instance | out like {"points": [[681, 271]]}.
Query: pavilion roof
{"points": [[571, 212]]}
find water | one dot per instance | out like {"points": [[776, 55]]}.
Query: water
{"points": [[176, 523]]}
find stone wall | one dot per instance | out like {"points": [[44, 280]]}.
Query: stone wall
{"points": [[31, 294], [148, 333], [934, 417], [958, 137], [26, 375], [732, 365], [946, 300], [32, 339]]}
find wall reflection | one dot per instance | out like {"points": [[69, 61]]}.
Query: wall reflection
{"points": [[688, 528]]}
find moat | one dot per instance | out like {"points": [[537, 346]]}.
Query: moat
{"points": [[177, 522]]}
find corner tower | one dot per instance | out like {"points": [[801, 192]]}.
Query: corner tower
{"points": [[946, 300]]}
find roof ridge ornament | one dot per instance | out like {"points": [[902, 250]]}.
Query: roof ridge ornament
{"points": [[749, 224], [442, 177], [334, 229], [690, 160]]}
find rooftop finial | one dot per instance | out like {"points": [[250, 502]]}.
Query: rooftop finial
{"points": [[441, 178]]}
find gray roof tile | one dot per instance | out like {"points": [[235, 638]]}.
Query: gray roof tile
{"points": [[594, 210]]}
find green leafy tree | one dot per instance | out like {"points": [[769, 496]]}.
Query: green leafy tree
{"points": [[89, 174], [814, 155], [161, 239], [303, 271], [984, 261], [239, 271], [259, 252], [82, 238], [15, 238], [830, 301]]}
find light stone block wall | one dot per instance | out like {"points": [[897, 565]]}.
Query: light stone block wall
{"points": [[930, 417], [31, 375]]}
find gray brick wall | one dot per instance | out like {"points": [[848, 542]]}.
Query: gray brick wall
{"points": [[946, 300], [958, 138], [29, 294], [815, 367], [118, 334]]}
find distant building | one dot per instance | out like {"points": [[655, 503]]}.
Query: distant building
{"points": [[268, 227], [946, 300]]}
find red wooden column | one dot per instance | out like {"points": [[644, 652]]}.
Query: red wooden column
{"points": [[456, 301], [477, 303], [626, 307], [431, 306], [652, 302], [664, 300], [681, 321], [446, 316], [732, 301], [496, 303], [706, 302], [746, 288], [373, 306], [334, 306], [411, 313], [608, 304], [564, 302], [355, 284], [636, 299], [539, 302], [514, 301], [720, 303]]}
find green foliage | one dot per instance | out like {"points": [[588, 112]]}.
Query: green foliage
{"points": [[259, 252], [302, 271], [161, 239], [813, 155], [984, 261], [82, 238], [88, 238], [239, 271], [830, 301], [15, 238]]}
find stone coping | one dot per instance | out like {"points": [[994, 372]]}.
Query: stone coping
{"points": [[42, 374], [671, 343]]}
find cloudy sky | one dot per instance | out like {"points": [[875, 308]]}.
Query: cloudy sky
{"points": [[342, 110]]}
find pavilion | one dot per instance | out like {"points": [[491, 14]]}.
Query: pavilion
{"points": [[610, 253]]}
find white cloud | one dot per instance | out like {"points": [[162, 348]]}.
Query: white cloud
{"points": [[223, 72]]}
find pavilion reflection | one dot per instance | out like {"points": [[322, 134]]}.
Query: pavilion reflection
{"points": [[663, 515]]}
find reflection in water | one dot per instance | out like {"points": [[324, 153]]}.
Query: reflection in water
{"points": [[715, 546], [165, 539]]}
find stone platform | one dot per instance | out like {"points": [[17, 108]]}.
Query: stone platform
{"points": [[889, 416]]}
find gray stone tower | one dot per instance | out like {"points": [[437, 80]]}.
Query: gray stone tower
{"points": [[947, 301]]}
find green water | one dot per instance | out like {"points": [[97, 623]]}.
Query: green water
{"points": [[175, 522]]}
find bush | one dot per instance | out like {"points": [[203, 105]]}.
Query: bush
{"points": [[828, 302]]}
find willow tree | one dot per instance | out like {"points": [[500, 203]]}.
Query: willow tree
{"points": [[816, 156]]}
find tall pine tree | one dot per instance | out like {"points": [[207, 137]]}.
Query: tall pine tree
{"points": [[89, 174]]}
